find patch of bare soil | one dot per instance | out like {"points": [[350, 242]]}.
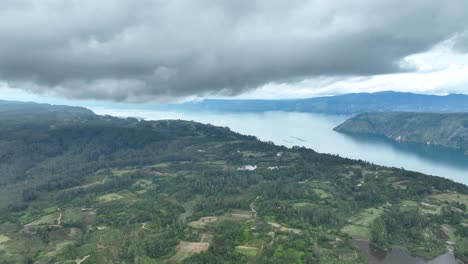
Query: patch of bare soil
{"points": [[193, 247], [241, 216], [202, 222]]}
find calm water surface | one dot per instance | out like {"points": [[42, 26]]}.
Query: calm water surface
{"points": [[316, 131], [377, 256]]}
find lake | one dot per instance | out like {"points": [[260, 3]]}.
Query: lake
{"points": [[395, 255], [315, 131]]}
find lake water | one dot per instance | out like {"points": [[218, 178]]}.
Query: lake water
{"points": [[377, 256], [315, 131]]}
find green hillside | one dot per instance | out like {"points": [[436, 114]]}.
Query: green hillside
{"points": [[447, 130], [98, 189]]}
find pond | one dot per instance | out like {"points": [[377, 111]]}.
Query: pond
{"points": [[395, 255]]}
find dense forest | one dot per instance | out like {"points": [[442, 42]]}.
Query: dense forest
{"points": [[447, 130], [81, 188]]}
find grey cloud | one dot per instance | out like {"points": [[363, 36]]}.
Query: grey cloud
{"points": [[126, 50], [461, 42]]}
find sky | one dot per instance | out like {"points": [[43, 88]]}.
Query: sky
{"points": [[160, 51]]}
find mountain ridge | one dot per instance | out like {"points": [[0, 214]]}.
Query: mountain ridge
{"points": [[346, 104]]}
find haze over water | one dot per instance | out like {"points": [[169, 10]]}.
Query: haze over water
{"points": [[315, 131]]}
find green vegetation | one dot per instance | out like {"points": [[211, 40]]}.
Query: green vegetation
{"points": [[461, 250], [100, 189], [447, 130], [109, 197], [246, 250], [3, 239], [356, 231]]}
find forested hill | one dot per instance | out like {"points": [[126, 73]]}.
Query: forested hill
{"points": [[342, 104], [84, 188], [448, 130], [40, 112], [48, 147]]}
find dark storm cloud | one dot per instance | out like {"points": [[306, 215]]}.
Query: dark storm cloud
{"points": [[128, 50]]}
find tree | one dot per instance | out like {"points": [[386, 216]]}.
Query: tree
{"points": [[378, 233]]}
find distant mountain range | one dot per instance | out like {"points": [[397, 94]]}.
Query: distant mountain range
{"points": [[443, 129], [341, 104]]}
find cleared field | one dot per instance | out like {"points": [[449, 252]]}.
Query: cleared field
{"points": [[47, 219], [58, 247], [193, 247], [186, 249], [246, 250], [299, 205], [160, 165], [215, 162], [278, 227], [354, 230], [400, 185], [429, 208], [109, 197], [241, 216], [407, 205], [367, 216], [323, 194], [120, 172], [206, 238], [72, 214], [451, 197], [202, 222], [360, 223], [450, 231], [84, 186], [143, 183], [252, 153], [4, 239], [50, 210]]}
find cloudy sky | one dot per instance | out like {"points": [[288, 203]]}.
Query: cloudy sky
{"points": [[171, 50]]}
